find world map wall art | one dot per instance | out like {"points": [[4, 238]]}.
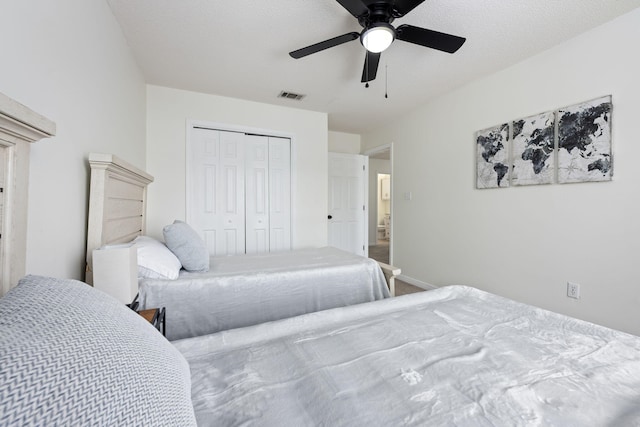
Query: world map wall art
{"points": [[572, 144]]}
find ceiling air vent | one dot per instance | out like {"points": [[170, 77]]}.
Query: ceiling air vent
{"points": [[291, 95]]}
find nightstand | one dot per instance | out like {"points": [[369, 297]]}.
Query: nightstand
{"points": [[155, 316]]}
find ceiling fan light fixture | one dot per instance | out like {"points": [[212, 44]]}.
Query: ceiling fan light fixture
{"points": [[377, 37]]}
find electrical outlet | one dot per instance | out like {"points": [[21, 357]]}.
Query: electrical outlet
{"points": [[573, 290]]}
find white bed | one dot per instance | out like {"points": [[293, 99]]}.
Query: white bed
{"points": [[246, 290], [452, 356], [238, 291]]}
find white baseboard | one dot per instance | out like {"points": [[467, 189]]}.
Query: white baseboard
{"points": [[415, 282]]}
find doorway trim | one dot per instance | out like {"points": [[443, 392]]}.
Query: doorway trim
{"points": [[376, 150]]}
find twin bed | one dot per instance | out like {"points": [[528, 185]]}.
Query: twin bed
{"points": [[71, 355], [245, 290], [236, 291], [453, 356]]}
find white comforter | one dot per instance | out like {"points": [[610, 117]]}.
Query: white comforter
{"points": [[453, 356], [246, 290]]}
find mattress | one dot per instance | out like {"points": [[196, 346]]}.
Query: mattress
{"points": [[245, 290], [452, 356]]}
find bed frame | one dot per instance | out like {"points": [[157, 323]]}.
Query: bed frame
{"points": [[19, 128], [117, 208], [390, 273], [117, 204]]}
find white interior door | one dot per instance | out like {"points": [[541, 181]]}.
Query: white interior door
{"points": [[347, 206], [215, 190]]}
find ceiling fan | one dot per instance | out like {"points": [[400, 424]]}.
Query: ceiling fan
{"points": [[375, 17]]}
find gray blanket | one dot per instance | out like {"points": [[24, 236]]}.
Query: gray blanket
{"points": [[454, 356], [246, 290], [71, 355]]}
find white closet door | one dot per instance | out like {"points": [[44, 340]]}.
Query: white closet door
{"points": [[239, 191], [268, 193], [257, 193], [216, 190], [279, 194], [232, 192]]}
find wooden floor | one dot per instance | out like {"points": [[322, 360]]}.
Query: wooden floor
{"points": [[380, 252]]}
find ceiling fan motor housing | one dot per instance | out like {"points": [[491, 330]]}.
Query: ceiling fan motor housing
{"points": [[377, 12], [378, 33]]}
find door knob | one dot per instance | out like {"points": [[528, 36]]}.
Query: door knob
{"points": [[330, 217]]}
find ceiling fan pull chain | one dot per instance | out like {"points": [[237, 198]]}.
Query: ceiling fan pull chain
{"points": [[386, 75], [366, 68]]}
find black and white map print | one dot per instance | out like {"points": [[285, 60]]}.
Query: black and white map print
{"points": [[533, 150], [584, 141], [492, 158]]}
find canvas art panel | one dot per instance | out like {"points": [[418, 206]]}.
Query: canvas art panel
{"points": [[533, 150], [584, 141], [492, 160]]}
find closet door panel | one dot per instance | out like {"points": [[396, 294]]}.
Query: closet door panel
{"points": [[279, 194], [231, 239], [216, 190], [209, 237], [201, 188], [257, 190], [209, 187]]}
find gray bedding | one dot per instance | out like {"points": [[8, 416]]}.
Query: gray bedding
{"points": [[246, 290], [455, 356], [73, 356]]}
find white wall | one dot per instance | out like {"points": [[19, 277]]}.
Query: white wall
{"points": [[526, 242], [69, 61], [168, 111], [341, 142]]}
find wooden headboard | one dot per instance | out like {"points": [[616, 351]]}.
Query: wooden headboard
{"points": [[117, 204]]}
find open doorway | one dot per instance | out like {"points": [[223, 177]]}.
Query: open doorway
{"points": [[380, 221], [383, 219]]}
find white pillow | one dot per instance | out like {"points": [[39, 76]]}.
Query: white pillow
{"points": [[187, 245], [155, 260]]}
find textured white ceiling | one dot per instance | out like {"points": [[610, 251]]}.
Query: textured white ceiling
{"points": [[239, 48]]}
